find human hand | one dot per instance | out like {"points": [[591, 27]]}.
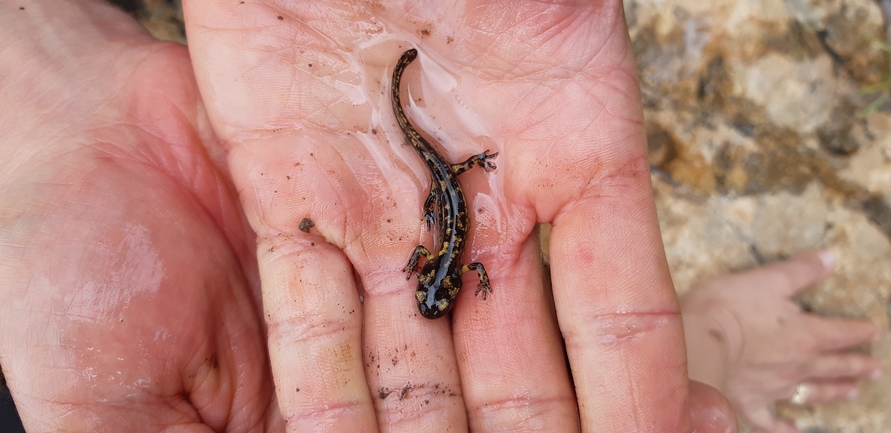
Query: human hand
{"points": [[746, 337], [158, 318], [298, 93], [130, 297]]}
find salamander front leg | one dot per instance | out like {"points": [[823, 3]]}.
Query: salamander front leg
{"points": [[481, 160], [484, 278], [412, 266]]}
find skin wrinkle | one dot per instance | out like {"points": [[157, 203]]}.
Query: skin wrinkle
{"points": [[603, 104], [312, 29], [408, 412], [595, 190], [283, 245], [543, 135], [553, 114], [522, 101], [510, 405], [732, 330], [635, 400], [621, 180], [388, 282], [492, 54], [617, 329], [307, 328], [610, 42], [578, 140]]}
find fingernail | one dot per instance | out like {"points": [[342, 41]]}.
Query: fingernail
{"points": [[853, 394], [828, 258], [875, 375]]}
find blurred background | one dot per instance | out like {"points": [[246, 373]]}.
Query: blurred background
{"points": [[769, 131]]}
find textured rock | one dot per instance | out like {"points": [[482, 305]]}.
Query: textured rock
{"points": [[760, 151], [162, 18]]}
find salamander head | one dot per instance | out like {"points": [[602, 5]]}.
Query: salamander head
{"points": [[436, 302]]}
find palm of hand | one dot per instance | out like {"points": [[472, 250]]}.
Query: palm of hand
{"points": [[130, 300]]}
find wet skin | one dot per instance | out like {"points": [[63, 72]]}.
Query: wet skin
{"points": [[439, 279]]}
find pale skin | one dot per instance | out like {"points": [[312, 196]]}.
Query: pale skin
{"points": [[746, 337], [155, 279]]}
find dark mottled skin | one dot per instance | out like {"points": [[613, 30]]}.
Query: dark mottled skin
{"points": [[439, 279]]}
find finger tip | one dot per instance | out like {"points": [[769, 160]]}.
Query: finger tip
{"points": [[828, 258], [710, 409]]}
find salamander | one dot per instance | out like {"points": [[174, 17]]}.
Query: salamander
{"points": [[439, 279]]}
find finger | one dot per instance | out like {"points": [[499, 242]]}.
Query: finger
{"points": [[616, 307], [710, 411], [410, 360], [836, 334], [521, 381], [763, 418], [797, 273], [312, 311], [843, 366], [824, 392], [618, 311]]}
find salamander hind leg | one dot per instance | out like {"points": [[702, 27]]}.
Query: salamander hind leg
{"points": [[484, 278], [412, 266], [481, 160]]}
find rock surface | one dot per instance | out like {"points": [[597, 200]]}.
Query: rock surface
{"points": [[163, 18], [760, 149]]}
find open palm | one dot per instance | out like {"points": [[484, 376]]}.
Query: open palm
{"points": [[132, 295], [130, 299]]}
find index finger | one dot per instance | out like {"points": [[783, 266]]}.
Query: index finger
{"points": [[263, 100]]}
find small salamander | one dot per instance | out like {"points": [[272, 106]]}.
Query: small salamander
{"points": [[439, 279]]}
